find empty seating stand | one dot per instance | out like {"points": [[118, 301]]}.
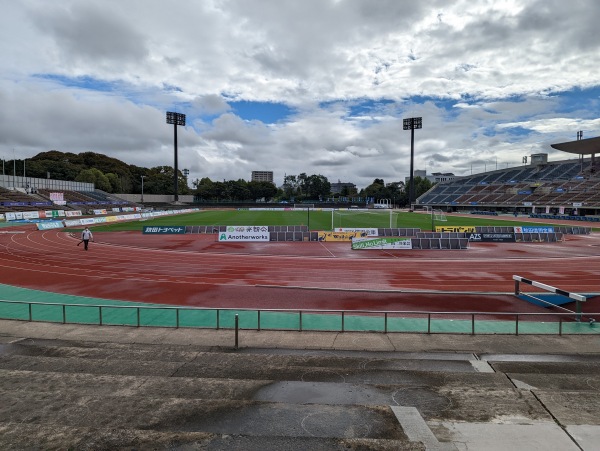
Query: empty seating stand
{"points": [[566, 217], [440, 243], [539, 237], [397, 232]]}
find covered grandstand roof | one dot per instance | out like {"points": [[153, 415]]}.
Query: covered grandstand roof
{"points": [[587, 146]]}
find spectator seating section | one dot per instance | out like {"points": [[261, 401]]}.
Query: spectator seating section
{"points": [[557, 183]]}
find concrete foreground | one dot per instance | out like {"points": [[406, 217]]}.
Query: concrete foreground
{"points": [[91, 387]]}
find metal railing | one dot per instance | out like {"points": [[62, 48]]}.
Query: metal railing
{"points": [[303, 320]]}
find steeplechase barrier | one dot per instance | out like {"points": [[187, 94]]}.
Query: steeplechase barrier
{"points": [[578, 298]]}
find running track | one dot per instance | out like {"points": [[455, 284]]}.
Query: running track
{"points": [[196, 270]]}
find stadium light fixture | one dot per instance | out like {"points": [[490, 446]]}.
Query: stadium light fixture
{"points": [[143, 176], [412, 124], [175, 119]]}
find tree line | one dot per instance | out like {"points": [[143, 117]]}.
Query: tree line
{"points": [[114, 176]]}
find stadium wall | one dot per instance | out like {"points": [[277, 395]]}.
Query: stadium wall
{"points": [[155, 198], [10, 182]]}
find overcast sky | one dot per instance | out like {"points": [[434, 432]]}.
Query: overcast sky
{"points": [[292, 86]]}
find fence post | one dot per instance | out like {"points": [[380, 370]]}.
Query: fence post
{"points": [[176, 318], [30, 315], [100, 314], [258, 318], [472, 323], [343, 321], [516, 287], [237, 322], [429, 323], [64, 308], [138, 316], [517, 325], [560, 326], [300, 321], [385, 327], [218, 319]]}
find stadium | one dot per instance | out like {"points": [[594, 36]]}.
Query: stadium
{"points": [[560, 188], [557, 201], [303, 327]]}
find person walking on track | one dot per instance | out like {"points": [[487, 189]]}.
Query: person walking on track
{"points": [[86, 236]]}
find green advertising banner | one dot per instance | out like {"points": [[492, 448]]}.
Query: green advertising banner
{"points": [[382, 243]]}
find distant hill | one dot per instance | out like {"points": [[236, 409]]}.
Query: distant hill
{"points": [[107, 173]]}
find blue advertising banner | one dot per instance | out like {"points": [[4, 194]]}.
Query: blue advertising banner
{"points": [[534, 229], [164, 229], [46, 225]]}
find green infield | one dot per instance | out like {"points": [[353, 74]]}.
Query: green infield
{"points": [[315, 220]]}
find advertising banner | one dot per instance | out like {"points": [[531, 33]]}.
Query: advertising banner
{"points": [[369, 232], [534, 229], [244, 236], [458, 229], [492, 237], [339, 236], [382, 243], [262, 229], [164, 229], [72, 222], [99, 212], [46, 225], [31, 215]]}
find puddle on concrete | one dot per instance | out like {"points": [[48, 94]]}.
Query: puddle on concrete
{"points": [[539, 358], [294, 392]]}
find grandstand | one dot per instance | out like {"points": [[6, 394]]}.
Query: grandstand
{"points": [[569, 187], [20, 194]]}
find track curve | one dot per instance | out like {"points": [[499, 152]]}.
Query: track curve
{"points": [[196, 270]]}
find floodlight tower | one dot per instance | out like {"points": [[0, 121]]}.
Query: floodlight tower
{"points": [[411, 124], [175, 119], [143, 177]]}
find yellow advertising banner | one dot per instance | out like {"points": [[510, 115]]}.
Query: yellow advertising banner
{"points": [[340, 236], [459, 229]]}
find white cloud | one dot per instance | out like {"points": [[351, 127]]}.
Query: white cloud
{"points": [[497, 64]]}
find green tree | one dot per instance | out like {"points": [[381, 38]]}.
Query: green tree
{"points": [[96, 177], [206, 189], [376, 189], [115, 182], [317, 187], [262, 190], [290, 186]]}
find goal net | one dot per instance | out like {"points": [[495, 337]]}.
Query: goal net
{"points": [[439, 215], [349, 219]]}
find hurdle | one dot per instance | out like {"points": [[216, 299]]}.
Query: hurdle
{"points": [[578, 298]]}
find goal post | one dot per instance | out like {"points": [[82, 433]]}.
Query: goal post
{"points": [[364, 218], [439, 215]]}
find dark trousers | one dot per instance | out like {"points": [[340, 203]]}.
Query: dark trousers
{"points": [[85, 244]]}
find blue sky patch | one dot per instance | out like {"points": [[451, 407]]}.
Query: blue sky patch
{"points": [[266, 112], [93, 84]]}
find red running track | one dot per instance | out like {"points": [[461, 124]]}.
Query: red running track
{"points": [[196, 270]]}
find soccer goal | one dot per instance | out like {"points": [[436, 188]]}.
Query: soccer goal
{"points": [[439, 215], [363, 218]]}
